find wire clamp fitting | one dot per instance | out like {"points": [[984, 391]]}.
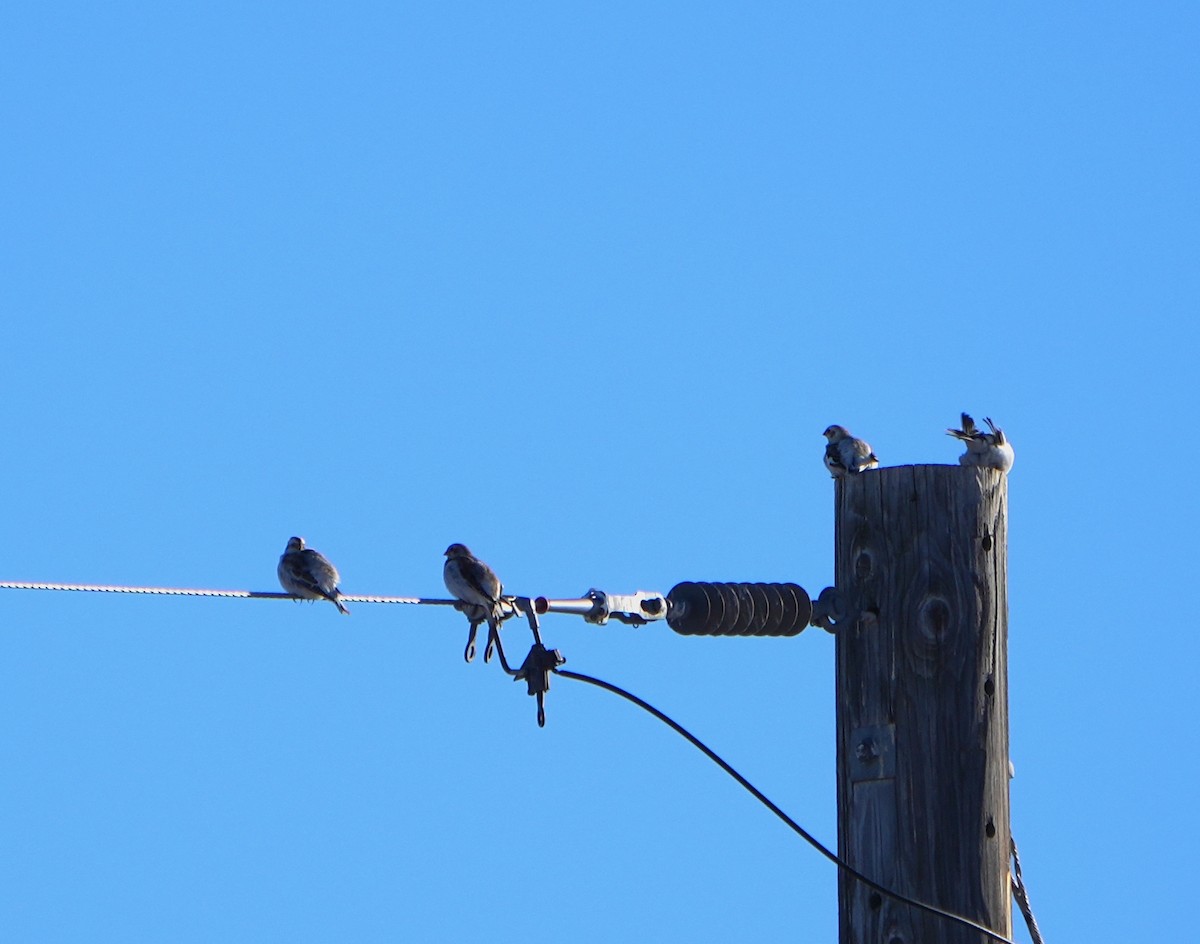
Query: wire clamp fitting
{"points": [[598, 607], [535, 672]]}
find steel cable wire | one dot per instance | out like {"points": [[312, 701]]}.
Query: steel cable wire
{"points": [[791, 823]]}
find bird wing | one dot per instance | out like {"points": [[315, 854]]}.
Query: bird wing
{"points": [[852, 450], [295, 575], [480, 577], [997, 433], [322, 574]]}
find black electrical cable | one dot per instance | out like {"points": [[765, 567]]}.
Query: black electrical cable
{"points": [[796, 827]]}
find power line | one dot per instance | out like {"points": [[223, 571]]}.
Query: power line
{"points": [[200, 592], [566, 673], [761, 797]]}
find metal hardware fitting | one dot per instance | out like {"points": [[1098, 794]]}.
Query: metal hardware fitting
{"points": [[635, 609], [873, 753]]}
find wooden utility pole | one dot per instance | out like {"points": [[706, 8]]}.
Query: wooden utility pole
{"points": [[922, 702]]}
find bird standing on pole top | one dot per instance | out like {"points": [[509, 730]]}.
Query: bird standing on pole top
{"points": [[306, 573], [472, 581], [985, 450], [846, 455]]}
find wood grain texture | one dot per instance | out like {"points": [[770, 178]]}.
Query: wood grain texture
{"points": [[921, 557]]}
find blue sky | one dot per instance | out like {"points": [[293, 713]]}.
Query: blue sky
{"points": [[579, 285]]}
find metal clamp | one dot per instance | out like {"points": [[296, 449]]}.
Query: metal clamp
{"points": [[535, 671], [598, 607], [539, 663], [829, 610]]}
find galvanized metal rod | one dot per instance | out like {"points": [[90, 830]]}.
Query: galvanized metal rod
{"points": [[580, 607]]}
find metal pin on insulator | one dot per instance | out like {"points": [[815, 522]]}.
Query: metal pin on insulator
{"points": [[738, 609]]}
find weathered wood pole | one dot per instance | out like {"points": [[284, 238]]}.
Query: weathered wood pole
{"points": [[922, 702]]}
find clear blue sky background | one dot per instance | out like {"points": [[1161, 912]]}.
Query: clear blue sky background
{"points": [[579, 285]]}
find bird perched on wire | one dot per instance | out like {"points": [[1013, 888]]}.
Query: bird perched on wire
{"points": [[846, 455], [306, 573], [990, 450], [472, 581]]}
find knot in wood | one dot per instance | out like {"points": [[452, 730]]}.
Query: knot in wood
{"points": [[934, 618], [864, 565]]}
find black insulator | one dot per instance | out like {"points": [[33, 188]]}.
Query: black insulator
{"points": [[738, 609]]}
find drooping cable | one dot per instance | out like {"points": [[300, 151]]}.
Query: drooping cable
{"points": [[791, 823]]}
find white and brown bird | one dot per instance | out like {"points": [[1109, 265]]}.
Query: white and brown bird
{"points": [[306, 573], [846, 455], [990, 450], [472, 581]]}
